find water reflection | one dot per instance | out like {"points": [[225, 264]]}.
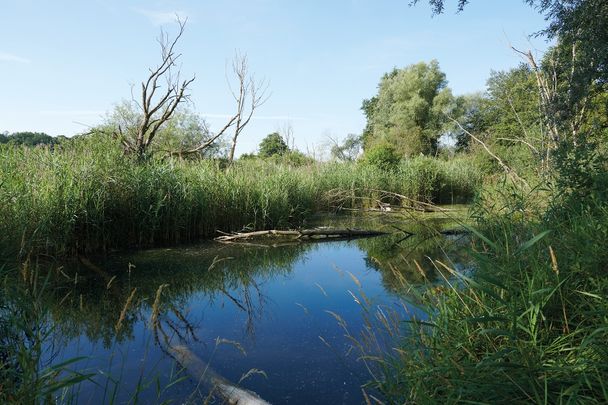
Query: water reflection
{"points": [[282, 307]]}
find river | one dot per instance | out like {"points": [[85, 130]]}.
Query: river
{"points": [[285, 319]]}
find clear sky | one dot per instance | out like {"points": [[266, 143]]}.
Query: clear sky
{"points": [[63, 64]]}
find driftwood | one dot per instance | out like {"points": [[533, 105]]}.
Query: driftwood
{"points": [[451, 232], [208, 378], [317, 233], [405, 203]]}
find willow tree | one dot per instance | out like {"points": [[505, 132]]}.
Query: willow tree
{"points": [[409, 110]]}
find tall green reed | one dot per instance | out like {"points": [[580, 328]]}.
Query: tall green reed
{"points": [[527, 323], [85, 196]]}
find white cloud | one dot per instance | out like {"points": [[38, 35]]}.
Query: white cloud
{"points": [[9, 57], [162, 17]]}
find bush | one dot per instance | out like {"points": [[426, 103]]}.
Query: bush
{"points": [[382, 156]]}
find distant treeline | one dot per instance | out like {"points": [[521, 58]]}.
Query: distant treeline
{"points": [[30, 138]]}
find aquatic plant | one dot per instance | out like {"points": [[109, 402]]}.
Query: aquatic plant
{"points": [[86, 196], [528, 325]]}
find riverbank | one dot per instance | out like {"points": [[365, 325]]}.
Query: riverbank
{"points": [[529, 325], [113, 317], [85, 196]]}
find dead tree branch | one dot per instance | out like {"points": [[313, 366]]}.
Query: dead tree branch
{"points": [[207, 143], [158, 102], [250, 95], [547, 87], [510, 172], [302, 234]]}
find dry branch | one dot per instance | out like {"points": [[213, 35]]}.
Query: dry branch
{"points": [[248, 98], [509, 171], [339, 196], [158, 103], [317, 233]]}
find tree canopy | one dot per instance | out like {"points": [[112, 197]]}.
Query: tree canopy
{"points": [[28, 138], [273, 144], [184, 131], [409, 110], [347, 150]]}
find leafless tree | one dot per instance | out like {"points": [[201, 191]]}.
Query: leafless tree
{"points": [[158, 101], [164, 90], [250, 95], [286, 131]]}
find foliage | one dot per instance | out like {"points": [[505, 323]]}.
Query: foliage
{"points": [[383, 156], [26, 372], [294, 158], [28, 138], [184, 131], [89, 197], [273, 144], [470, 114], [349, 149], [529, 324], [248, 156], [507, 119], [509, 111], [368, 106], [409, 110]]}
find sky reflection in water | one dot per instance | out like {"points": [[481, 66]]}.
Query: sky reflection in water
{"points": [[270, 306]]}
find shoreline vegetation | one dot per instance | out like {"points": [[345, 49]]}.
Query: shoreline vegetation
{"points": [[526, 322], [85, 196]]}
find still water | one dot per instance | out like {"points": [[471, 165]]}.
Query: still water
{"points": [[277, 317]]}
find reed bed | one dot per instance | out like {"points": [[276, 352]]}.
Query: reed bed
{"points": [[85, 196], [527, 324]]}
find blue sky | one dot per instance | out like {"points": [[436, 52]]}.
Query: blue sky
{"points": [[63, 64]]}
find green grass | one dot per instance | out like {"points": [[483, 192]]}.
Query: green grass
{"points": [[85, 196], [528, 324], [26, 374]]}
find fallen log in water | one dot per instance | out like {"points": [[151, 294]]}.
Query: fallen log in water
{"points": [[205, 376], [303, 234]]}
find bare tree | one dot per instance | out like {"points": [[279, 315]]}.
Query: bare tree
{"points": [[158, 102], [286, 131], [249, 96]]}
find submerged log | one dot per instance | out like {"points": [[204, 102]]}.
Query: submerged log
{"points": [[303, 234], [205, 376], [456, 231]]}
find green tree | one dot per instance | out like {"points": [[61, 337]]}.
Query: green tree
{"points": [[506, 118], [470, 114], [31, 138], [575, 71], [382, 155], [409, 110], [348, 150], [182, 134], [273, 144]]}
